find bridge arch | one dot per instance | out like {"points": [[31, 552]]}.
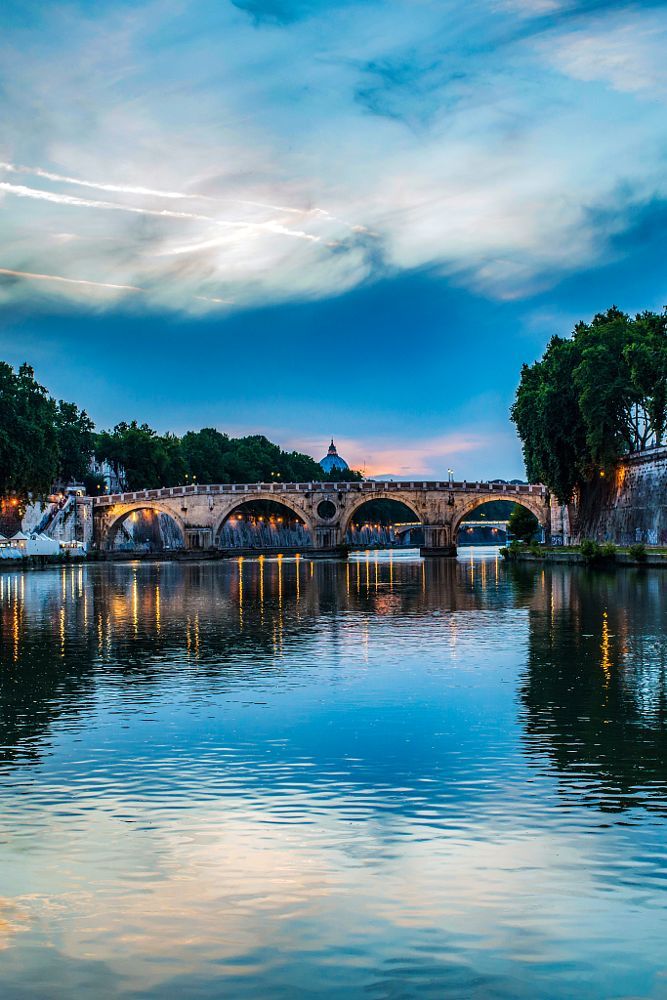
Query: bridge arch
{"points": [[119, 517], [279, 499], [536, 507], [349, 512]]}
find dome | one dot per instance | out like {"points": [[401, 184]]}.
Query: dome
{"points": [[332, 460]]}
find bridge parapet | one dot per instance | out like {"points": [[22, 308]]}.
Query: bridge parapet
{"points": [[367, 486]]}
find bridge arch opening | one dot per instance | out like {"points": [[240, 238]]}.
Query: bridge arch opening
{"points": [[488, 521], [384, 523], [263, 524], [145, 529]]}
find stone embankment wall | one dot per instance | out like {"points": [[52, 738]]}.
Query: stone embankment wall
{"points": [[627, 507]]}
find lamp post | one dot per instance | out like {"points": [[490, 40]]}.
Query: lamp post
{"points": [[450, 475]]}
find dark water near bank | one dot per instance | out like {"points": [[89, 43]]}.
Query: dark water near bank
{"points": [[386, 779]]}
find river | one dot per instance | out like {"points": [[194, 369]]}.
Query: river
{"points": [[382, 778]]}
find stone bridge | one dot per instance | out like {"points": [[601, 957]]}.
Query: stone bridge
{"points": [[325, 509]]}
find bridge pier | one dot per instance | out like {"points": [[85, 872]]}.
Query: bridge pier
{"points": [[448, 551], [438, 541]]}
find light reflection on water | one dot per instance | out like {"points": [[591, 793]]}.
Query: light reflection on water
{"points": [[385, 777]]}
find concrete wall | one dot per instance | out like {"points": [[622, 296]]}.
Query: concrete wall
{"points": [[629, 506]]}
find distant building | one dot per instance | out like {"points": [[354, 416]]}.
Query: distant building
{"points": [[114, 482], [332, 460]]}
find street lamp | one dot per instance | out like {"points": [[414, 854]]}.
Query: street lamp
{"points": [[450, 474]]}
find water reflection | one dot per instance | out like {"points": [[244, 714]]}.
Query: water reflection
{"points": [[595, 692], [279, 777]]}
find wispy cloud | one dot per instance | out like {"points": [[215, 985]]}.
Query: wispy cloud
{"points": [[622, 50]]}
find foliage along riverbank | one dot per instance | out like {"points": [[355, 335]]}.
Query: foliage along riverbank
{"points": [[589, 553]]}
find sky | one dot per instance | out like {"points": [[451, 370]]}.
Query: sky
{"points": [[307, 218]]}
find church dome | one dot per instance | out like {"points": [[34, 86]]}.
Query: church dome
{"points": [[332, 460]]}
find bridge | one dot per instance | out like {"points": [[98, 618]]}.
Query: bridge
{"points": [[202, 516]]}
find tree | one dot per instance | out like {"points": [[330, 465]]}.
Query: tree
{"points": [[76, 441], [593, 398], [646, 357], [28, 436], [549, 420], [522, 524], [204, 454], [141, 457], [621, 381]]}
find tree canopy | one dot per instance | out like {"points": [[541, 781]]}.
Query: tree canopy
{"points": [[29, 447], [43, 443], [593, 398]]}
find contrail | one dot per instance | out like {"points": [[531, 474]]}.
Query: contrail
{"points": [[157, 193], [210, 298], [34, 276], [98, 185], [68, 281], [22, 191]]}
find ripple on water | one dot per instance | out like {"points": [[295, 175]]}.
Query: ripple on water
{"points": [[388, 778]]}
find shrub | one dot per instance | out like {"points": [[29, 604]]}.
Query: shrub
{"points": [[512, 550], [593, 552], [637, 552], [590, 550]]}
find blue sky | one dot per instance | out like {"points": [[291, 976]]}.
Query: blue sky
{"points": [[308, 218]]}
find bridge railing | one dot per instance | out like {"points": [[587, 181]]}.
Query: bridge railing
{"points": [[366, 486]]}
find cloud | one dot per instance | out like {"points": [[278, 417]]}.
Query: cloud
{"points": [[416, 458], [626, 52], [301, 156]]}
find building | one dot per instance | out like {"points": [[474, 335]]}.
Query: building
{"points": [[114, 481], [332, 460]]}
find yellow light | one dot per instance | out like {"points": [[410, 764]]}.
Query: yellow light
{"points": [[602, 473]]}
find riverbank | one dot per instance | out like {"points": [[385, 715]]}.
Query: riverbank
{"points": [[43, 562], [590, 554]]}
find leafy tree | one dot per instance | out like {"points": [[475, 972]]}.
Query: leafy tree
{"points": [[94, 484], [593, 398], [522, 524], [141, 457], [549, 420], [646, 357], [340, 476], [204, 454], [28, 435], [76, 441]]}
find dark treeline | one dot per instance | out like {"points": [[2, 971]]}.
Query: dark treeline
{"points": [[44, 442], [592, 398]]}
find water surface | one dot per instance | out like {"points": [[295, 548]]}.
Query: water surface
{"points": [[387, 778]]}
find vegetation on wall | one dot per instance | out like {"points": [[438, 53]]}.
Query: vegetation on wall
{"points": [[593, 398]]}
